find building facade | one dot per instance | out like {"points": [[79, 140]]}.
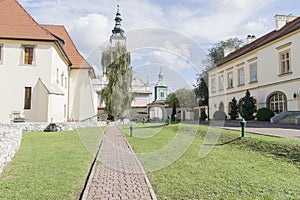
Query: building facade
{"points": [[82, 103], [267, 67], [35, 68]]}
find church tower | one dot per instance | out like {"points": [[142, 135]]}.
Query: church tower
{"points": [[161, 89], [118, 32]]}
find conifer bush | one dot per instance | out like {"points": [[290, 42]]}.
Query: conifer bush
{"points": [[264, 114]]}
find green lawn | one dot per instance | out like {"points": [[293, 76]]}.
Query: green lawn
{"points": [[255, 167], [50, 165]]}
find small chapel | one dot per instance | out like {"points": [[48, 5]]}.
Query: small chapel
{"points": [[157, 109]]}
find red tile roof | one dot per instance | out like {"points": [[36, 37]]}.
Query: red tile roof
{"points": [[273, 35], [76, 58], [16, 23]]}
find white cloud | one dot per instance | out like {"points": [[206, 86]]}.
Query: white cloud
{"points": [[204, 23], [258, 26], [90, 32]]}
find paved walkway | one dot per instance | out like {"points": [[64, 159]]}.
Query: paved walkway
{"points": [[118, 174], [266, 128]]}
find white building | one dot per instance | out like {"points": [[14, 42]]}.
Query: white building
{"points": [[82, 95], [268, 67], [35, 69], [139, 89]]}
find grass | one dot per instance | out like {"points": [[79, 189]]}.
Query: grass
{"points": [[50, 165], [255, 167]]}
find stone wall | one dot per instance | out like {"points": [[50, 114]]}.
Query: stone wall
{"points": [[40, 126], [11, 135], [10, 141]]}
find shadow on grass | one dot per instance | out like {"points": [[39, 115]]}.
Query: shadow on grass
{"points": [[224, 143], [229, 142], [278, 149], [149, 127]]}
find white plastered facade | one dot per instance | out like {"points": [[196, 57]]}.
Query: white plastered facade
{"points": [[49, 96]]}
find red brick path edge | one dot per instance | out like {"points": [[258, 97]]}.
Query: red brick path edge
{"points": [[118, 174]]}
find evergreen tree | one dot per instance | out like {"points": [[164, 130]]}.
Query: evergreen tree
{"points": [[116, 64], [201, 89], [173, 118], [234, 112], [216, 53], [247, 106]]}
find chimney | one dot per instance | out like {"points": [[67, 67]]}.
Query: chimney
{"points": [[250, 38], [280, 21], [228, 51], [290, 18]]}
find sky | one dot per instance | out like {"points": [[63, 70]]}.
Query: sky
{"points": [[168, 35]]}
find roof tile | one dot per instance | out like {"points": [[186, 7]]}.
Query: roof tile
{"points": [[16, 23], [269, 37], [76, 58]]}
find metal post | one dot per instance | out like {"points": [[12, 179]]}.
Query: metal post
{"points": [[243, 125], [169, 119], [131, 130]]}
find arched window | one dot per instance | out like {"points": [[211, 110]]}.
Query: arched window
{"points": [[221, 106], [229, 107], [277, 102]]}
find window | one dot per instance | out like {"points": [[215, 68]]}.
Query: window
{"points": [[66, 82], [1, 49], [162, 94], [213, 84], [62, 79], [241, 76], [284, 59], [57, 75], [65, 111], [221, 106], [28, 55], [229, 107], [221, 82], [27, 99], [253, 72], [277, 102], [230, 80]]}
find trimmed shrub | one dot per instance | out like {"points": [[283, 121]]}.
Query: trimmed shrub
{"points": [[234, 113], [203, 116], [219, 115], [247, 107], [264, 114]]}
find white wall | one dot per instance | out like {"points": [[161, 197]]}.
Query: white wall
{"points": [[14, 76], [83, 98], [268, 73]]}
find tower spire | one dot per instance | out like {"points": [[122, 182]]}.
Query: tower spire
{"points": [[118, 31], [118, 36]]}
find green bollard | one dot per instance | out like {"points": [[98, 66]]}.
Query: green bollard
{"points": [[243, 125], [169, 119], [131, 130]]}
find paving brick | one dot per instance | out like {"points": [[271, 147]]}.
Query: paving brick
{"points": [[118, 174]]}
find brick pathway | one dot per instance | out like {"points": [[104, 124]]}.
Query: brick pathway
{"points": [[118, 174]]}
